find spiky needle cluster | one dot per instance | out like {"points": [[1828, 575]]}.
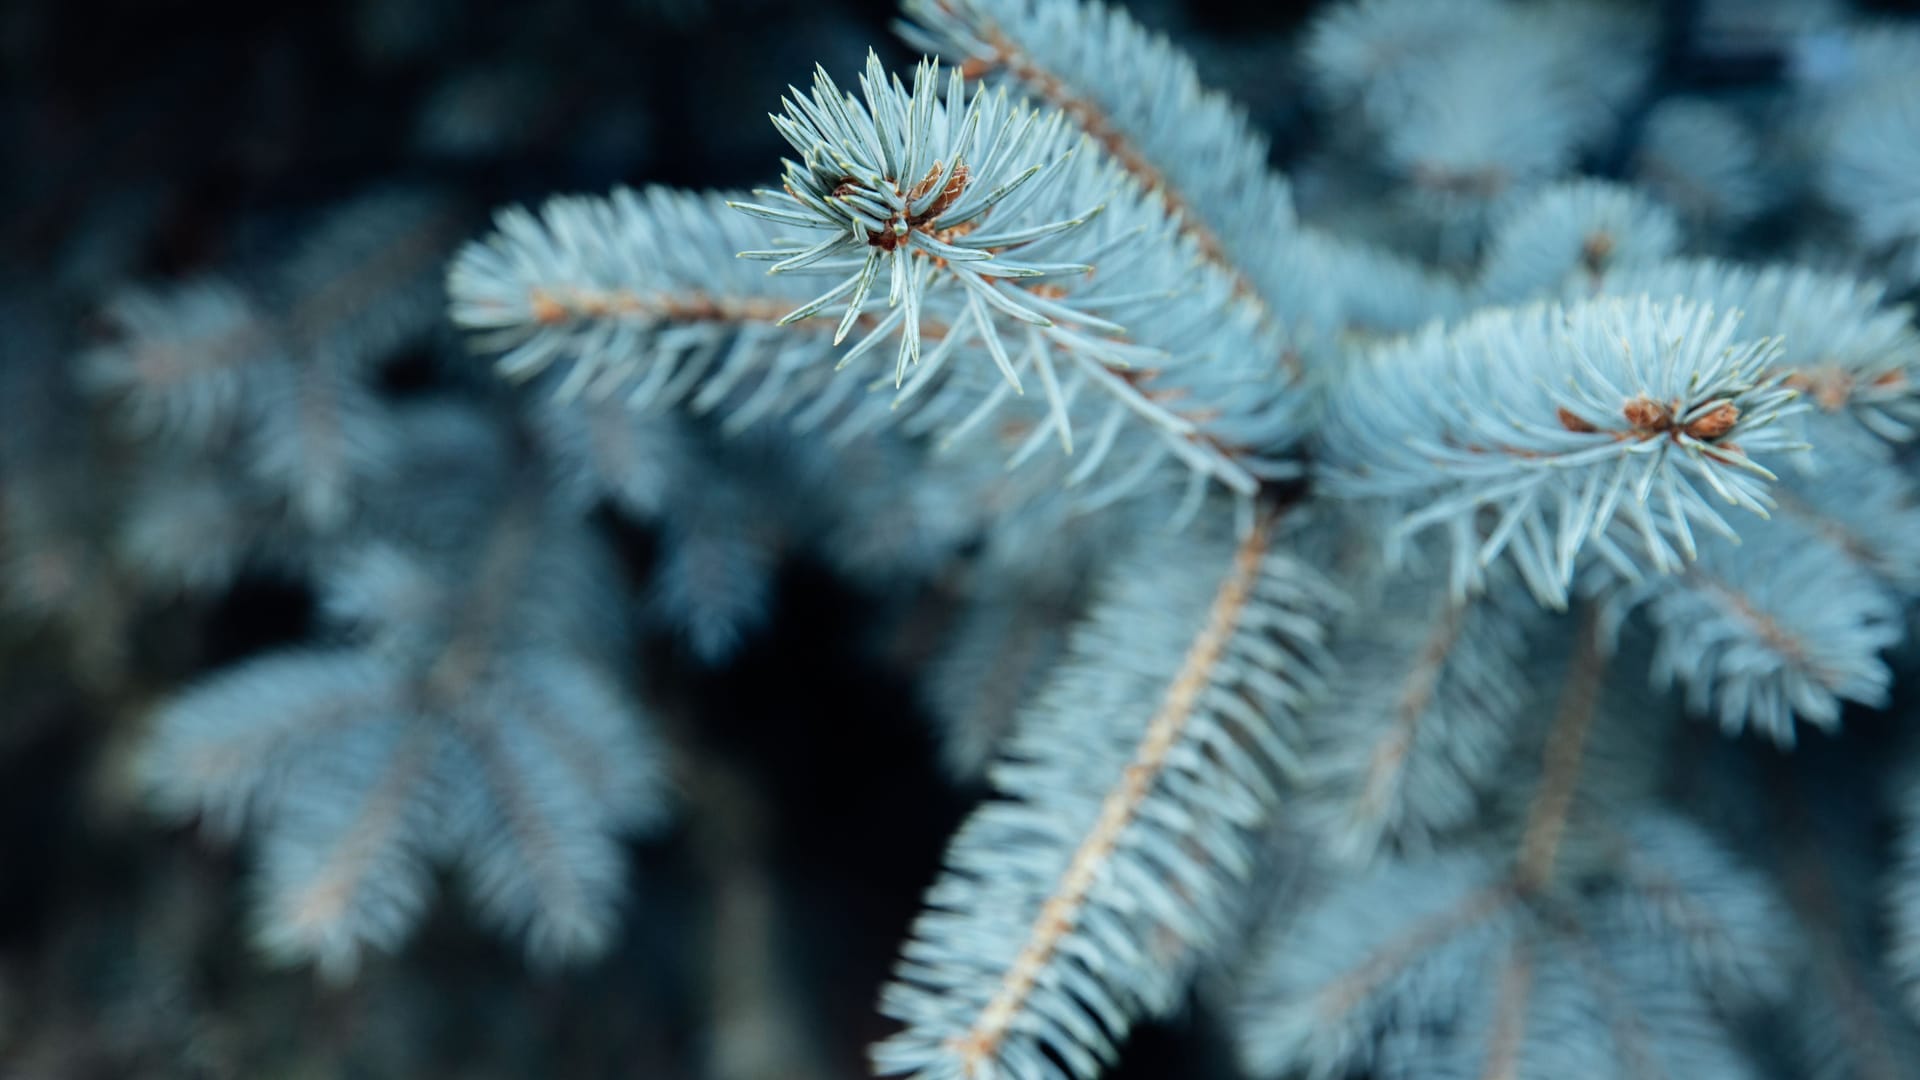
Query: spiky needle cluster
{"points": [[908, 184], [1359, 662], [1549, 423]]}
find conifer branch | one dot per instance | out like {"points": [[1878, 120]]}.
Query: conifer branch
{"points": [[216, 746], [1561, 758], [1002, 55], [378, 263], [1510, 1015], [181, 364], [558, 306], [1844, 347], [1191, 147], [1082, 897], [465, 714], [1869, 514], [330, 879], [1340, 997], [1624, 1016], [1575, 239], [1529, 432], [1863, 550], [1732, 933], [1874, 1052], [1783, 625], [1417, 692], [1008, 246], [1061, 911], [1089, 251], [1420, 716], [1392, 948]]}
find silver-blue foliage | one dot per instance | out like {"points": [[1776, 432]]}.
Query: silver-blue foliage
{"points": [[1108, 266], [469, 716], [1531, 431], [1268, 538]]}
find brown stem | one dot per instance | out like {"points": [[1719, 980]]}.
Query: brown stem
{"points": [[1510, 1016], [1060, 914], [1416, 693], [1018, 64], [1344, 994], [1562, 759]]}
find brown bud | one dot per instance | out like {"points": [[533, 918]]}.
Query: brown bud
{"points": [[1573, 423], [1647, 415], [925, 183], [1832, 394], [1595, 252], [1716, 422], [956, 184], [546, 310]]}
